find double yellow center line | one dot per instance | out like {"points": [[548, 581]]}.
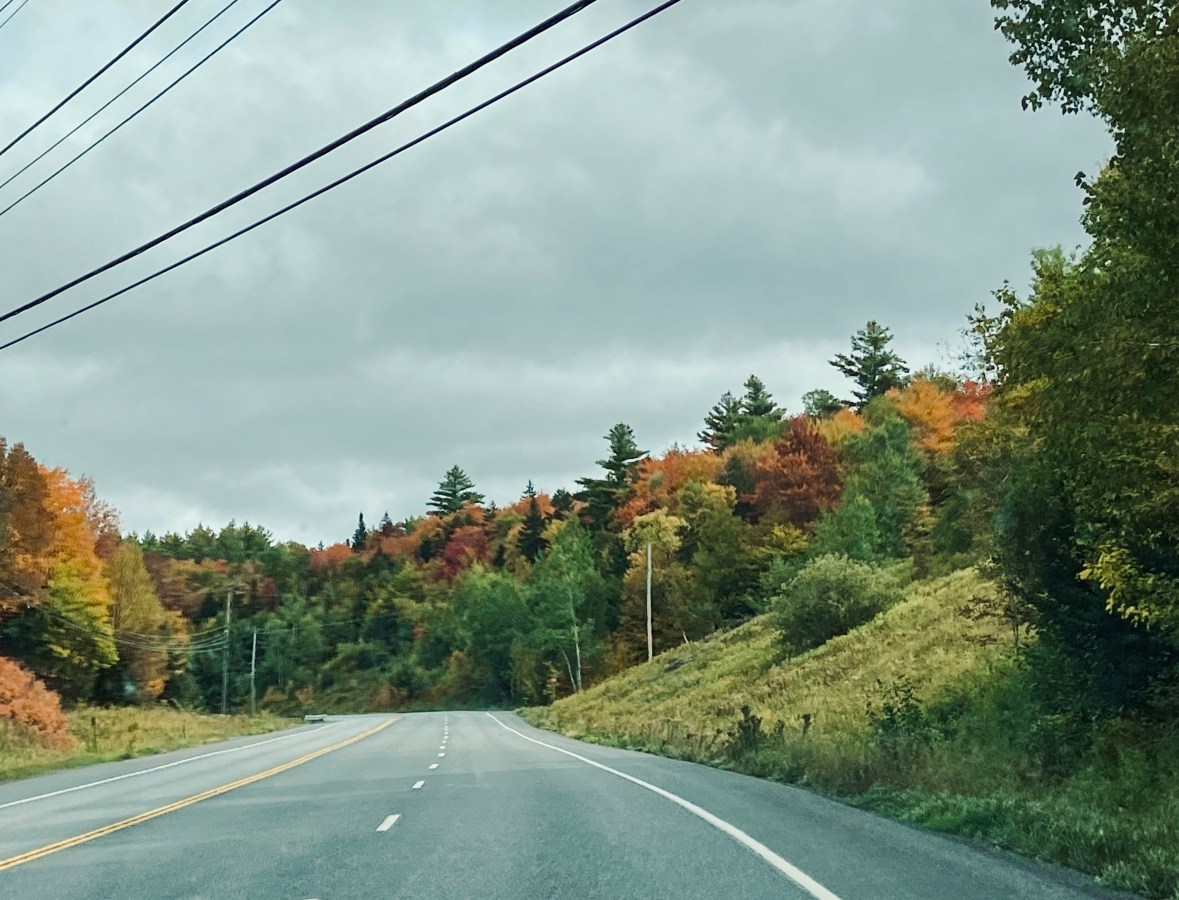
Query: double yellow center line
{"points": [[21, 859]]}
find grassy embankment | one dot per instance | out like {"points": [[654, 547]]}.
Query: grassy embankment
{"points": [[924, 714], [102, 735]]}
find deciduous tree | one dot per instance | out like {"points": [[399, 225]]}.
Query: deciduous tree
{"points": [[141, 626]]}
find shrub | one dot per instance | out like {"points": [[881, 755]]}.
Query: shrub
{"points": [[829, 597], [32, 709], [900, 724]]}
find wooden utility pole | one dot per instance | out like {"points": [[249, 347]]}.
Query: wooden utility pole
{"points": [[225, 655], [650, 642], [253, 658]]}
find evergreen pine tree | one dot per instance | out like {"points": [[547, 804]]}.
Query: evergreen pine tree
{"points": [[455, 491], [721, 422], [757, 402], [603, 495], [871, 365]]}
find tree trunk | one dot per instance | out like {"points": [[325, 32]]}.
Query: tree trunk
{"points": [[576, 646]]}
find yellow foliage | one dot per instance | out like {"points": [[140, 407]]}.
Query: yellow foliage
{"points": [[838, 428]]}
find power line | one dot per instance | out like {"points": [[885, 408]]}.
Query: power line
{"points": [[104, 106], [7, 4], [418, 98], [6, 21], [74, 93], [205, 641], [200, 63], [376, 162]]}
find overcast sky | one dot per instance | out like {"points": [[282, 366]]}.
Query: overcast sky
{"points": [[734, 187]]}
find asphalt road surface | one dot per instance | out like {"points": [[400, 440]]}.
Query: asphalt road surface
{"points": [[457, 805]]}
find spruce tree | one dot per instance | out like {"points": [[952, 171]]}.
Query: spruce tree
{"points": [[360, 535], [871, 365], [721, 422], [386, 526], [455, 491], [532, 542], [562, 503]]}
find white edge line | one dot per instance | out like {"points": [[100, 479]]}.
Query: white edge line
{"points": [[389, 822], [179, 762], [795, 874], [417, 785]]}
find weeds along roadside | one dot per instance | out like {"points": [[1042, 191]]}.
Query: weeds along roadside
{"points": [[925, 714]]}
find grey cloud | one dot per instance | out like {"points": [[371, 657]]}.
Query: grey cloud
{"points": [[731, 188]]}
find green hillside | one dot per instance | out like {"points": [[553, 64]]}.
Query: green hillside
{"points": [[926, 713], [934, 638]]}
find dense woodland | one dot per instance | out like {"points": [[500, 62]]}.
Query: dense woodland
{"points": [[1049, 459], [471, 603]]}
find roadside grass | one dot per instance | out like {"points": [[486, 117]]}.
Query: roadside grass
{"points": [[923, 714], [106, 734]]}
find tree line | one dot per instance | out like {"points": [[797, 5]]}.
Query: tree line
{"points": [[472, 603], [1049, 461]]}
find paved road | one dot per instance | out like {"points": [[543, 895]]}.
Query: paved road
{"points": [[456, 805]]}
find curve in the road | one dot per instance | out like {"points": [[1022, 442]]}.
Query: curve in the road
{"points": [[792, 872]]}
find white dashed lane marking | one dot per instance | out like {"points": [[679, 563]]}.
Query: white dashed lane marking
{"points": [[389, 822]]}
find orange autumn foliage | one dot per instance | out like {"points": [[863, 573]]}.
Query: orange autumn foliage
{"points": [[406, 546], [970, 401], [930, 413], [658, 479], [934, 414], [26, 530], [75, 540], [330, 558], [31, 708], [520, 507], [399, 546]]}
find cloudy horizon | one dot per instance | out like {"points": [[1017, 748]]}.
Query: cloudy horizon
{"points": [[724, 191]]}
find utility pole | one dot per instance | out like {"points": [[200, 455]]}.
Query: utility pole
{"points": [[253, 657], [225, 656], [650, 643]]}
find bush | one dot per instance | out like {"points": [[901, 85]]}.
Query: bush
{"points": [[900, 724], [831, 596], [32, 709]]}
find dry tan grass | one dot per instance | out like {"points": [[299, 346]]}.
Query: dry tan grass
{"points": [[120, 733], [928, 638]]}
